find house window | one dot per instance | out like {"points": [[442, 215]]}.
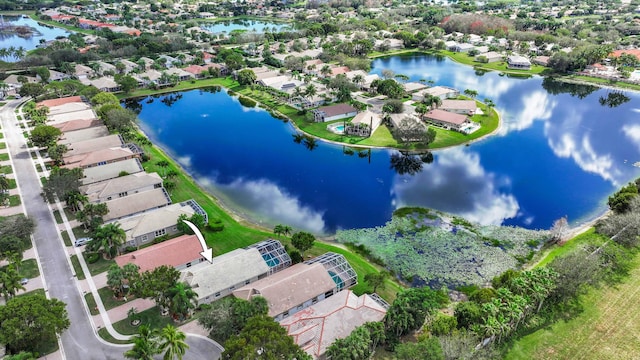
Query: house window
{"points": [[188, 264], [174, 228], [217, 294], [102, 163], [160, 232], [144, 238], [232, 288], [157, 186], [109, 198], [314, 300], [123, 194], [328, 293], [284, 314], [247, 282]]}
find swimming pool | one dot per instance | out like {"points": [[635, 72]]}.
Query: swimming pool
{"points": [[336, 128]]}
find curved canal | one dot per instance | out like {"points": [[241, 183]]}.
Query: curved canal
{"points": [[561, 150]]}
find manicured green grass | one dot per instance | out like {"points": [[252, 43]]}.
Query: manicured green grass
{"points": [[561, 250], [79, 232], [104, 334], [69, 214], [12, 183], [14, 200], [607, 328], [381, 137], [91, 304], [7, 169], [3, 145], [4, 157], [601, 81], [57, 216], [109, 301], [66, 238], [149, 317], [77, 268], [99, 266], [464, 58], [39, 291], [227, 82], [28, 269]]}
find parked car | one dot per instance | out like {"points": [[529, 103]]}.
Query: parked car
{"points": [[24, 281], [82, 241]]}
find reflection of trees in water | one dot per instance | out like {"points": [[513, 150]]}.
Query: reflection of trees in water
{"points": [[309, 142], [613, 99], [555, 87], [171, 99], [409, 163], [210, 89], [134, 105]]}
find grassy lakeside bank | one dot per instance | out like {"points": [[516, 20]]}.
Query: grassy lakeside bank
{"points": [[606, 328], [61, 25], [600, 82], [466, 59]]}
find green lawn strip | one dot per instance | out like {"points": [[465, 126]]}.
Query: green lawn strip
{"points": [[606, 327], [69, 214], [12, 183], [7, 169], [14, 200], [99, 266], [561, 250], [108, 300], [79, 232], [4, 157], [91, 303], [149, 317], [3, 145], [28, 269], [39, 291], [57, 216], [466, 59], [104, 334], [66, 238], [227, 82], [601, 81], [77, 268]]}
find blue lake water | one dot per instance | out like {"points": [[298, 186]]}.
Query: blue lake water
{"points": [[248, 25], [42, 32], [556, 154]]}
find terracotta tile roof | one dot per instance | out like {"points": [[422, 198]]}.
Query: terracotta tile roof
{"points": [[195, 69], [634, 52], [175, 252], [60, 101], [77, 124]]}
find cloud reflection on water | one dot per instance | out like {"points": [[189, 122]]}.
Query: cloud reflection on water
{"points": [[457, 183]]}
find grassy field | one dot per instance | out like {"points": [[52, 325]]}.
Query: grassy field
{"points": [[149, 317], [607, 328], [561, 250], [108, 300], [501, 66]]}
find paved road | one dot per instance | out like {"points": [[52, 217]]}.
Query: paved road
{"points": [[79, 341]]}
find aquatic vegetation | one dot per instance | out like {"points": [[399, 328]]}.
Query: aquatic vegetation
{"points": [[437, 250]]}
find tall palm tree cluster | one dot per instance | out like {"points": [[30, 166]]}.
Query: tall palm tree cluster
{"points": [[150, 342]]}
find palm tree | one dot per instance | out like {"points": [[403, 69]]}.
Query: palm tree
{"points": [[4, 183], [172, 343], [145, 344], [471, 93], [10, 282], [358, 80], [325, 71], [310, 92], [181, 300], [75, 200], [109, 237], [278, 230], [286, 230]]}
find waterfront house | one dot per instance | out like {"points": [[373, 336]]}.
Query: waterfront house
{"points": [[465, 107], [489, 57], [442, 92], [180, 253], [142, 229], [315, 328], [180, 73], [106, 84], [85, 146], [73, 125], [540, 60], [83, 134], [83, 72], [60, 101], [463, 47], [99, 157], [363, 124], [136, 204], [280, 83], [334, 112], [111, 171], [227, 272], [447, 120], [121, 186], [518, 62]]}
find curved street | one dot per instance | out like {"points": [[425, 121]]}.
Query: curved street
{"points": [[80, 341]]}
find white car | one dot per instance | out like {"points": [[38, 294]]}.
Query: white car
{"points": [[24, 281]]}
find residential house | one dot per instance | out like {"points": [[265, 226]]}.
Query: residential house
{"points": [[106, 67], [129, 66], [463, 47], [169, 61], [315, 328], [447, 120], [541, 60], [56, 76], [334, 112], [99, 157], [144, 228], [74, 125], [83, 134], [442, 92], [86, 146], [60, 101], [411, 87], [518, 62], [337, 70], [274, 254], [68, 112], [121, 186], [13, 83], [280, 83], [83, 72], [226, 273], [111, 171], [180, 253], [465, 107], [489, 57], [363, 124], [148, 63], [182, 75], [196, 71], [106, 84], [451, 45], [136, 203]]}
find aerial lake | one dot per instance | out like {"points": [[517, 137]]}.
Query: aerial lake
{"points": [[255, 26], [561, 151], [40, 32]]}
